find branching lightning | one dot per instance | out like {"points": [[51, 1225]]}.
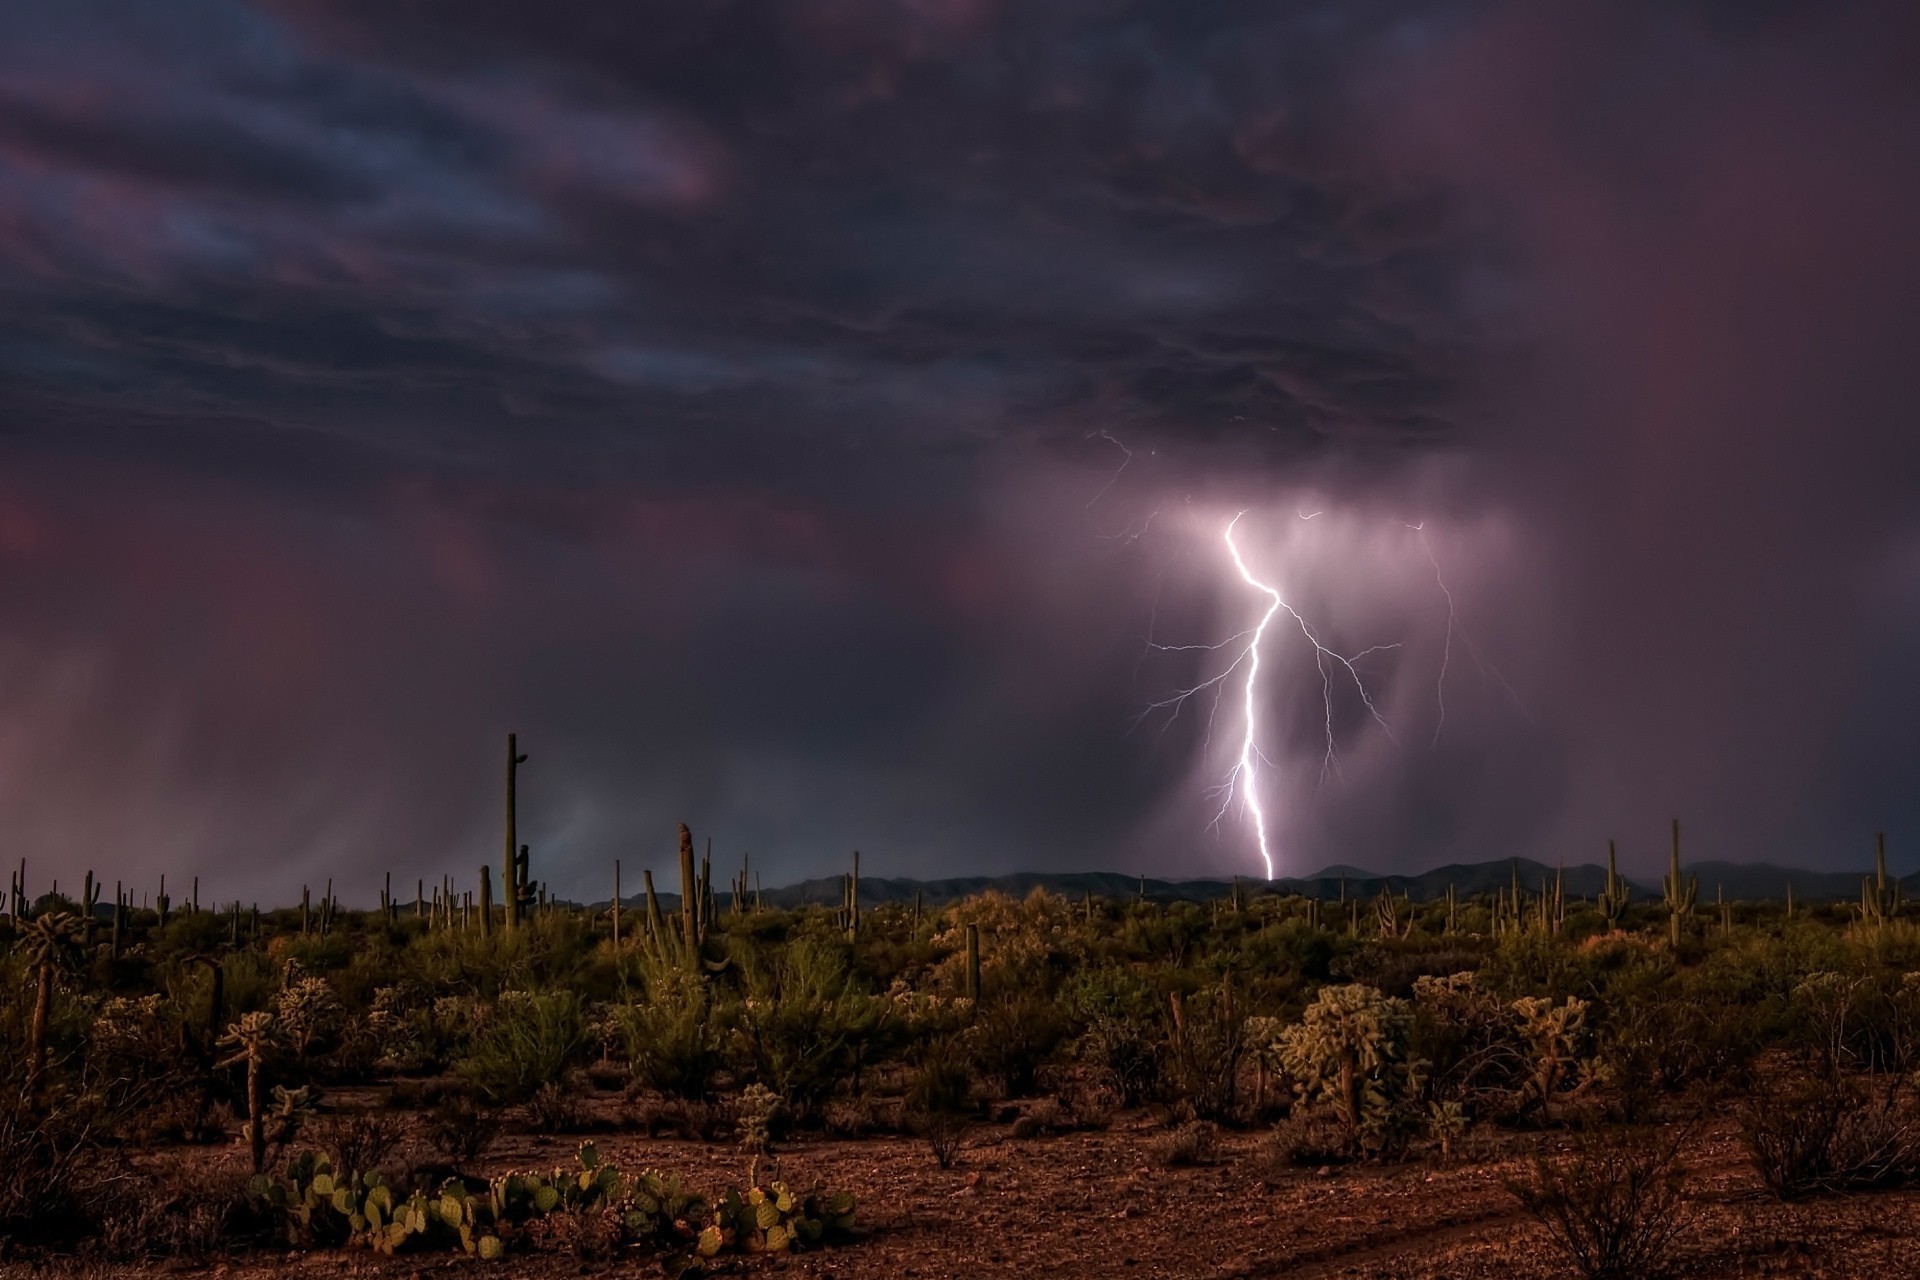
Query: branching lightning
{"points": [[1243, 778], [1247, 661], [1251, 765], [1249, 746]]}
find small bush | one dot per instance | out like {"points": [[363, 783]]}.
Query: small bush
{"points": [[1614, 1207], [555, 1108], [1828, 1133], [358, 1140], [462, 1130], [1014, 1037], [1120, 1041], [195, 1218], [675, 1036], [1196, 1142], [1205, 1042], [1302, 1140], [532, 1039], [940, 1108]]}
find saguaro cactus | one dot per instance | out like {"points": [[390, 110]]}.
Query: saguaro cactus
{"points": [[1879, 898], [486, 901], [689, 889], [1613, 899], [513, 863], [89, 900], [853, 899], [1680, 895]]}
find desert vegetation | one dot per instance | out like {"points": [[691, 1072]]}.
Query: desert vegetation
{"points": [[357, 1072]]}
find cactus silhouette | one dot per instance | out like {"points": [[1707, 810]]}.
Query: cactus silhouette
{"points": [[1680, 895]]}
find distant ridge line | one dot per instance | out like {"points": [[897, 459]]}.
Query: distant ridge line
{"points": [[1742, 882]]}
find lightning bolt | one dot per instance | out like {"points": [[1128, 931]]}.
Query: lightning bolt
{"points": [[1243, 778], [1249, 745], [1456, 626], [1113, 479]]}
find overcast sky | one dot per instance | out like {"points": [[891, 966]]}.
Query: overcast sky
{"points": [[818, 421]]}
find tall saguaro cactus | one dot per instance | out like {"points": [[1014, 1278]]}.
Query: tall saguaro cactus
{"points": [[486, 901], [1879, 898], [1680, 895], [689, 890], [1613, 899], [512, 865]]}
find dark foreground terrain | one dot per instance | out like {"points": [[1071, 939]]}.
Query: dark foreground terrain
{"points": [[1513, 1084]]}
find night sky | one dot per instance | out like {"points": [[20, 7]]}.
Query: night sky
{"points": [[817, 421]]}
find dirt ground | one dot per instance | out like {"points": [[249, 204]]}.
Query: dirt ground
{"points": [[1097, 1204]]}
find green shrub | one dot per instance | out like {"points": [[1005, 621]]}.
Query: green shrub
{"points": [[674, 1036], [940, 1106], [532, 1038], [1120, 1038], [803, 1023], [1205, 1043]]}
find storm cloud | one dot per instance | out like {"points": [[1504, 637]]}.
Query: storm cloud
{"points": [[816, 422]]}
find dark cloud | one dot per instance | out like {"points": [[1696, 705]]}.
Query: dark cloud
{"points": [[731, 399]]}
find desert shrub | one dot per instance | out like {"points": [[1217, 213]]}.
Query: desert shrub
{"points": [[555, 1108], [803, 1023], [462, 1130], [1614, 1207], [1076, 1110], [1823, 1132], [358, 1139], [1308, 1139], [673, 1037], [1396, 968], [940, 1108], [52, 1154], [1119, 1040], [1849, 1022], [148, 1219], [1467, 1035], [531, 1039], [1196, 1142], [1657, 1044], [1350, 1051], [1013, 1037], [1205, 1043]]}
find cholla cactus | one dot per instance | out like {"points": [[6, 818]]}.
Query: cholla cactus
{"points": [[1349, 1049], [756, 1112], [1555, 1032], [52, 946], [251, 1040], [129, 1028], [308, 1012]]}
